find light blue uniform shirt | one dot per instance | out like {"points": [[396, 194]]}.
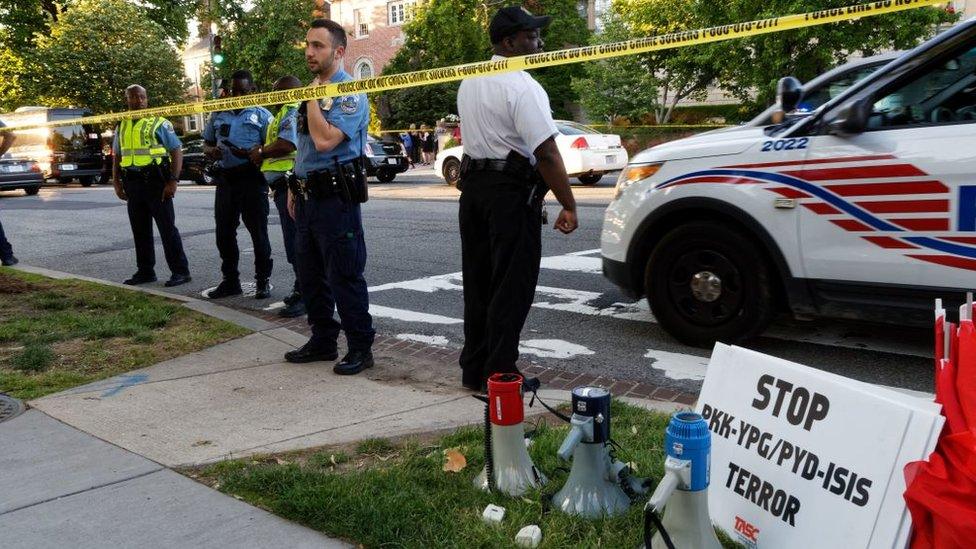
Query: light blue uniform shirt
{"points": [[165, 134], [245, 128], [349, 113]]}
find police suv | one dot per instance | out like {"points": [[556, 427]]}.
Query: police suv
{"points": [[864, 208]]}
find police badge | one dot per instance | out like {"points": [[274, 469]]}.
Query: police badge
{"points": [[326, 103]]}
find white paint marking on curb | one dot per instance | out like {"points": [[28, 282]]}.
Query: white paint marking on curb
{"points": [[678, 365], [275, 306], [411, 316], [552, 348], [573, 263], [437, 341]]}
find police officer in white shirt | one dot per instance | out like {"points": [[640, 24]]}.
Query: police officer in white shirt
{"points": [[510, 162]]}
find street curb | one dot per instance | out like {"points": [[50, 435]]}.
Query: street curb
{"points": [[646, 395]]}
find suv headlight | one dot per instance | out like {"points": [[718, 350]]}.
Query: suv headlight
{"points": [[632, 173]]}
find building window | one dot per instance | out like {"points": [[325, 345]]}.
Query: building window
{"points": [[364, 69], [191, 123], [362, 23], [399, 12]]}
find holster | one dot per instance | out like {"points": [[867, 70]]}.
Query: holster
{"points": [[351, 181]]}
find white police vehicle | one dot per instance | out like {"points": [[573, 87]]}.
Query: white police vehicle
{"points": [[865, 208]]}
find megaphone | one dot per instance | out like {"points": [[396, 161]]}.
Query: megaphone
{"points": [[684, 488], [508, 467], [598, 485]]}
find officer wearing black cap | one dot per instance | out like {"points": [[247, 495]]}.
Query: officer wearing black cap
{"points": [[331, 183], [510, 161], [148, 157], [242, 192]]}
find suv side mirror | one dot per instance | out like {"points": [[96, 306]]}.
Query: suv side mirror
{"points": [[789, 90], [852, 118]]}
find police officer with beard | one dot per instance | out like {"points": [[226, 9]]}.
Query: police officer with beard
{"points": [[510, 162], [331, 183], [242, 191]]}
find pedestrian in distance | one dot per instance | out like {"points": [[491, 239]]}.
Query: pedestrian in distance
{"points": [[325, 200], [7, 258], [148, 159], [510, 161], [429, 144], [242, 192], [407, 140], [277, 161]]}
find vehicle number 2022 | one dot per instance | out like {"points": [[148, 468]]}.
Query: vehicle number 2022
{"points": [[785, 144]]}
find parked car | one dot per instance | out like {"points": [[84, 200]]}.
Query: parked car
{"points": [[64, 153], [386, 159], [20, 174], [587, 154], [196, 166], [863, 209]]}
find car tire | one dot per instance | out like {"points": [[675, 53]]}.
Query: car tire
{"points": [[452, 171], [86, 181], [31, 191], [385, 176], [707, 282], [590, 178]]}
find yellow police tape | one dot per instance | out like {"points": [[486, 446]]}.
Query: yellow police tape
{"points": [[511, 64]]}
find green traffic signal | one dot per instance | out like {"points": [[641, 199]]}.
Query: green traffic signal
{"points": [[218, 58]]}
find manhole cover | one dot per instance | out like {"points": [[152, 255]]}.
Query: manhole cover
{"points": [[10, 407]]}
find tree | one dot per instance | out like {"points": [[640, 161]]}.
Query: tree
{"points": [[95, 50], [616, 87], [269, 41], [12, 93], [567, 30]]}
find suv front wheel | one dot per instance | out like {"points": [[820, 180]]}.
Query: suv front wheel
{"points": [[708, 282]]}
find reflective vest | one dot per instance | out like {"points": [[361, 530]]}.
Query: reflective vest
{"points": [[282, 163], [138, 143]]}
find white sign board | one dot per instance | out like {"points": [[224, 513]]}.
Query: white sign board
{"points": [[805, 458]]}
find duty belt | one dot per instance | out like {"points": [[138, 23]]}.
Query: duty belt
{"points": [[315, 184]]}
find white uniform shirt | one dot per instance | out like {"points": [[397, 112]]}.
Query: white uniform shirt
{"points": [[502, 113]]}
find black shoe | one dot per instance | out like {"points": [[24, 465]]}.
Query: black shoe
{"points": [[476, 386], [311, 352], [177, 280], [296, 309], [226, 288], [264, 289], [354, 362], [294, 297], [140, 278], [9, 261]]}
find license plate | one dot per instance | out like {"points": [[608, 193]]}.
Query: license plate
{"points": [[611, 158], [13, 169], [391, 161], [69, 167]]}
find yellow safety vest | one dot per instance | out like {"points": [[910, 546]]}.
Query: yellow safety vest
{"points": [[282, 163], [138, 143]]}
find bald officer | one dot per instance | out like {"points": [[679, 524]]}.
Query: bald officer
{"points": [[510, 161], [331, 183]]}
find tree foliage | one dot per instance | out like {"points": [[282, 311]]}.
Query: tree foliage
{"points": [[95, 50], [428, 45], [269, 41]]}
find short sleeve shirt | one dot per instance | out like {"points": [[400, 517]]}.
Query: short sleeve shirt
{"points": [[244, 128], [165, 134], [288, 129], [348, 113], [502, 113]]}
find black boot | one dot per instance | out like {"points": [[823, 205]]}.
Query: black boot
{"points": [[226, 288], [264, 289], [311, 352], [140, 278], [354, 362]]}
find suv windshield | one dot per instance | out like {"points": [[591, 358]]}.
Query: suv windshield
{"points": [[71, 138]]}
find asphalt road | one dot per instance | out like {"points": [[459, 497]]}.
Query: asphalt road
{"points": [[579, 322]]}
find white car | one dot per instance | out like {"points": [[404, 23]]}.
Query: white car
{"points": [[865, 208], [587, 154]]}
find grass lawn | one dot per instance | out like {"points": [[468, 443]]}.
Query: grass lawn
{"points": [[57, 334], [395, 494]]}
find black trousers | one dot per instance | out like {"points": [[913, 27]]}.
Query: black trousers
{"points": [[280, 190], [242, 193], [6, 250], [330, 247], [501, 246], [144, 201]]}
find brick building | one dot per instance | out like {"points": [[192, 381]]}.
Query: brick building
{"points": [[375, 29]]}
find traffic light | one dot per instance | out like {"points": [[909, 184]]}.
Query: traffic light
{"points": [[217, 56]]}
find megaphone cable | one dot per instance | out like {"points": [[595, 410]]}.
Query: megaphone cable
{"points": [[650, 516]]}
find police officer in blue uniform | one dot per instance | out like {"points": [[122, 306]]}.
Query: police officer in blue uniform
{"points": [[331, 183], [242, 192], [148, 158]]}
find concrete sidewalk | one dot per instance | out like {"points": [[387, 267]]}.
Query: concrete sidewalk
{"points": [[89, 466]]}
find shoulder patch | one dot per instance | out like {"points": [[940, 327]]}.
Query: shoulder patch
{"points": [[254, 118], [349, 104]]}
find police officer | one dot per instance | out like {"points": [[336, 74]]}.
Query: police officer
{"points": [[149, 158], [242, 191], [277, 160], [7, 258], [329, 243], [510, 161]]}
